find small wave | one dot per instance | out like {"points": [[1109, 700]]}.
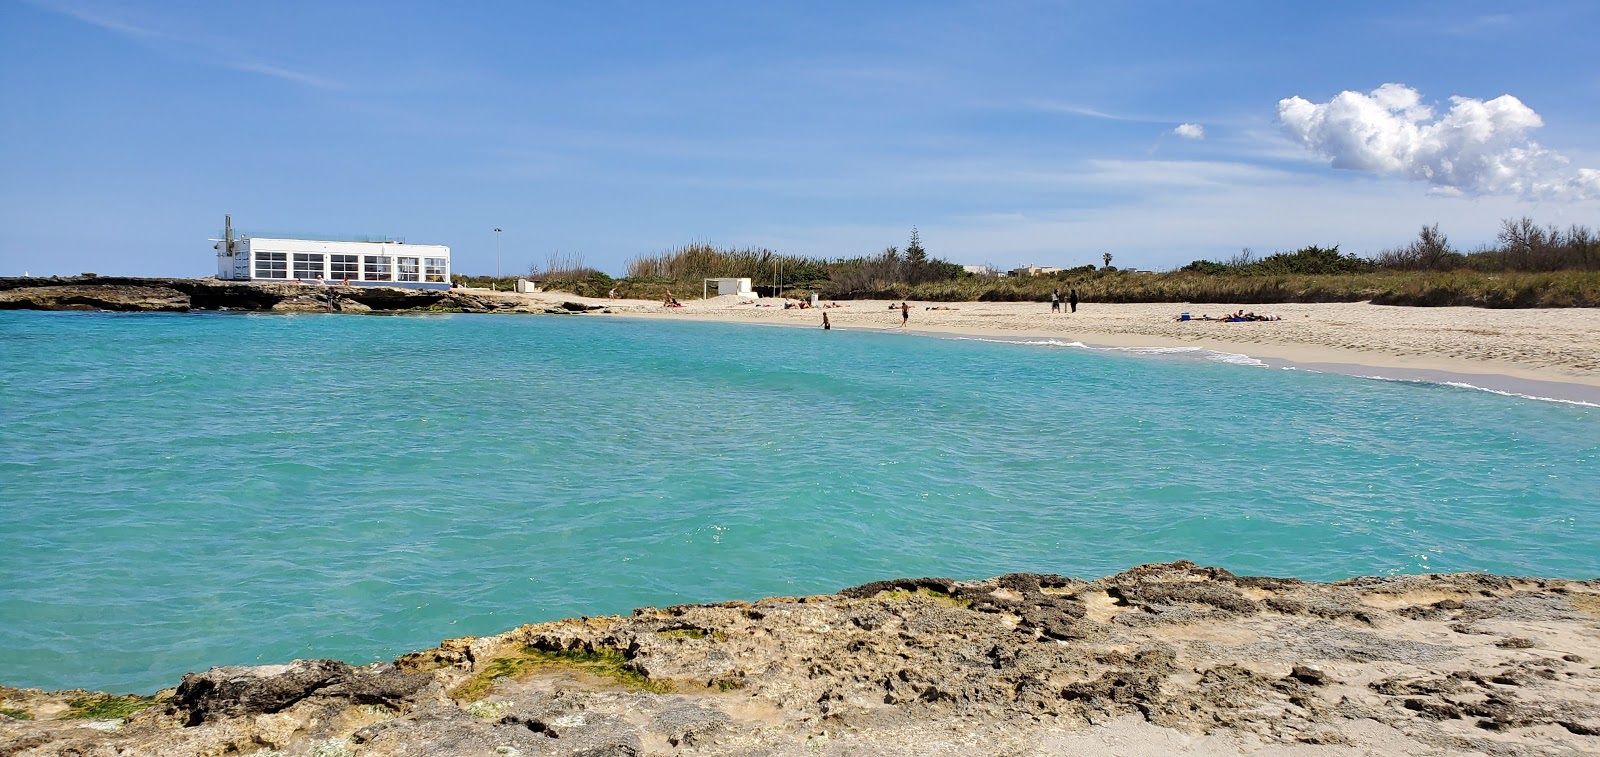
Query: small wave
{"points": [[1032, 342], [1231, 358], [1465, 385]]}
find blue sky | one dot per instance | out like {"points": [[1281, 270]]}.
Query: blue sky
{"points": [[1008, 132]]}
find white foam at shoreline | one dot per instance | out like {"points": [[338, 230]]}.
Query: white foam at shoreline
{"points": [[1445, 382], [1474, 387], [1232, 358]]}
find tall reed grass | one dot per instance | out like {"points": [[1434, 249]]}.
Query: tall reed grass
{"points": [[1280, 278]]}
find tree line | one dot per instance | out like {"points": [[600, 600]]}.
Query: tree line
{"points": [[1528, 266], [842, 277], [1522, 246]]}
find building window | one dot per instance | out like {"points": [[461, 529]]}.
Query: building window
{"points": [[308, 265], [344, 267], [408, 269], [435, 268], [272, 265], [378, 268]]}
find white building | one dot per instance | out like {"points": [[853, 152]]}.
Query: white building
{"points": [[308, 261], [733, 286]]}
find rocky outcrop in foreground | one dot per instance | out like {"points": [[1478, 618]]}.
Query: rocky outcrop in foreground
{"points": [[1161, 658], [181, 295]]}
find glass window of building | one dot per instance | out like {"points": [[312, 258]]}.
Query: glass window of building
{"points": [[272, 265], [408, 269], [308, 265], [435, 268], [378, 268], [343, 267]]}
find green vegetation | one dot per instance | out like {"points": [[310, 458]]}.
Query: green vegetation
{"points": [[108, 707], [604, 663], [1311, 260], [1529, 266], [683, 633], [503, 283], [16, 714], [1558, 289]]}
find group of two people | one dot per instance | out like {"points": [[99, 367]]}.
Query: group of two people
{"points": [[1055, 300]]}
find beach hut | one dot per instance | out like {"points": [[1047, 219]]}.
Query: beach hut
{"points": [[736, 287]]}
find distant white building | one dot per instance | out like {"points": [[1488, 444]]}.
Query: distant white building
{"points": [[1035, 270], [311, 261], [981, 270]]}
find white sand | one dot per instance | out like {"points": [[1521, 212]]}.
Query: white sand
{"points": [[1559, 345]]}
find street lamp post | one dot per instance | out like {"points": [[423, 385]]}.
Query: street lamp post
{"points": [[496, 283]]}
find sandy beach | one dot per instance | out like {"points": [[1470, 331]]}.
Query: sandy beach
{"points": [[1542, 352]]}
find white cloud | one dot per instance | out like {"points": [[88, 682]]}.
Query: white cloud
{"points": [[1190, 131], [1479, 147]]}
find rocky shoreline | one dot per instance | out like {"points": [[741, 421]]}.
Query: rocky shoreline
{"points": [[1161, 658], [130, 294]]}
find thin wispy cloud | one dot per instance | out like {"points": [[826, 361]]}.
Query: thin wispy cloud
{"points": [[198, 47], [1473, 26], [1051, 106]]}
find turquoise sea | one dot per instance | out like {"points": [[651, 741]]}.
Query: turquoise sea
{"points": [[183, 491]]}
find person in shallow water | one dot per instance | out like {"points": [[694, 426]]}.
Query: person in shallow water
{"points": [[825, 324]]}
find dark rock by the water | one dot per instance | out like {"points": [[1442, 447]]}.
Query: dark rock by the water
{"points": [[118, 293]]}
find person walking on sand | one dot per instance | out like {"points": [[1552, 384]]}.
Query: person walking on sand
{"points": [[1055, 300], [905, 314], [1073, 298], [825, 324]]}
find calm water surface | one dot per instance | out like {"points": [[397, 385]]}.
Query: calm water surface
{"points": [[182, 491]]}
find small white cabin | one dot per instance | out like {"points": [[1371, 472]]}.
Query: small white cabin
{"points": [[310, 261], [737, 287]]}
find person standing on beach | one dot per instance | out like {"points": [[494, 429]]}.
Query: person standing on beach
{"points": [[825, 324], [1055, 300], [905, 314], [1073, 298]]}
